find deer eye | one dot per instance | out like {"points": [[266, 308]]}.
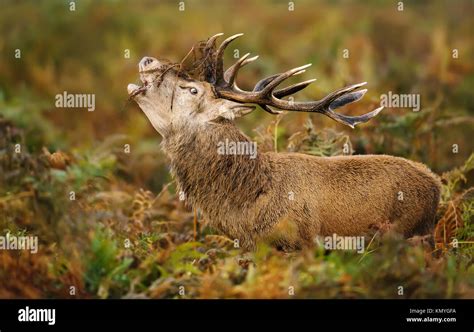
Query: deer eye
{"points": [[193, 91]]}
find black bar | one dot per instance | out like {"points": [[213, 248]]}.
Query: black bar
{"points": [[120, 313]]}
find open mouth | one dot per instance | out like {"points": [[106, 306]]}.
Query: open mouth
{"points": [[134, 89]]}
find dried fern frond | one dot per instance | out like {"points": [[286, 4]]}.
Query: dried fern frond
{"points": [[219, 241], [448, 227]]}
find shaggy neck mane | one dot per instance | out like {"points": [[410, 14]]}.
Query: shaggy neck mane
{"points": [[212, 181]]}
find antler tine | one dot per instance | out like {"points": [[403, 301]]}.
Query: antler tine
{"points": [[347, 99], [289, 90], [231, 74], [210, 42], [264, 82], [227, 41], [247, 61], [352, 121], [344, 91], [230, 71], [280, 78], [209, 60], [219, 58]]}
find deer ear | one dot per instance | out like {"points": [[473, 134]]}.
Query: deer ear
{"points": [[229, 110]]}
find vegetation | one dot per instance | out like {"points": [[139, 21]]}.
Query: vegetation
{"points": [[95, 188]]}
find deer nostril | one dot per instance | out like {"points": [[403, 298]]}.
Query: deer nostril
{"points": [[146, 62]]}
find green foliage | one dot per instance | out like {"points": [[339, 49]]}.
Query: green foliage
{"points": [[182, 257], [324, 143], [455, 178], [104, 268]]}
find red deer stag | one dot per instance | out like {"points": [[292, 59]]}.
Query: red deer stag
{"points": [[287, 199]]}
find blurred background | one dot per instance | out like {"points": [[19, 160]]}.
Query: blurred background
{"points": [[86, 51], [83, 51]]}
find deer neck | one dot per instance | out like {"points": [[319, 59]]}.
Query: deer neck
{"points": [[212, 174]]}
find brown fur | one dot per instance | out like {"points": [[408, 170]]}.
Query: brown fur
{"points": [[248, 199]]}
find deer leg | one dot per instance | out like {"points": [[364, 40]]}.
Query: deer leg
{"points": [[195, 224]]}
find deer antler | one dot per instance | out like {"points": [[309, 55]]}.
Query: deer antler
{"points": [[265, 93]]}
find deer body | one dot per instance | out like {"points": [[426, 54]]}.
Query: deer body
{"points": [[266, 199], [286, 199]]}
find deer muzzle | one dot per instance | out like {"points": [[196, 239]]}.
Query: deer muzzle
{"points": [[147, 67]]}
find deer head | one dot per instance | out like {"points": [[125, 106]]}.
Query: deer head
{"points": [[171, 98]]}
